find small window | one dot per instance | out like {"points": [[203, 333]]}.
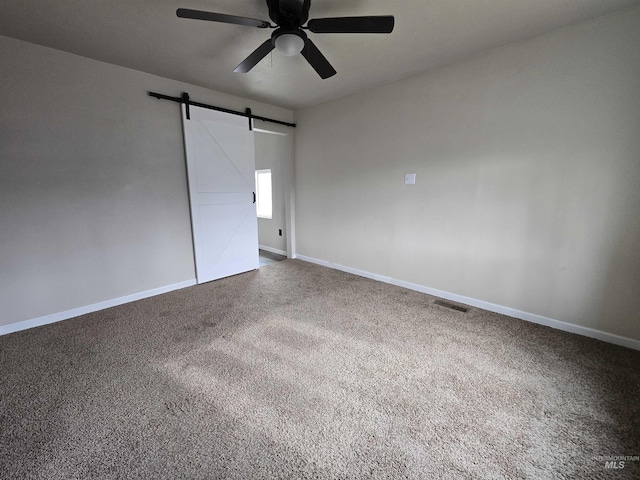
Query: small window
{"points": [[263, 194]]}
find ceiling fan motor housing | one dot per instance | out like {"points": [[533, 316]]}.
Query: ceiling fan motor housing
{"points": [[289, 13]]}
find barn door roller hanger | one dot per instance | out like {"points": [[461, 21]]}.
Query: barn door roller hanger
{"points": [[247, 113]]}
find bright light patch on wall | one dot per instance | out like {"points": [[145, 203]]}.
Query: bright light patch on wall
{"points": [[264, 203], [270, 132]]}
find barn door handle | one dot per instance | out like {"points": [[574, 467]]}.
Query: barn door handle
{"points": [[254, 197]]}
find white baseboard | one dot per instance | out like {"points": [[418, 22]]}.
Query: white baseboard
{"points": [[75, 312], [492, 307], [272, 250]]}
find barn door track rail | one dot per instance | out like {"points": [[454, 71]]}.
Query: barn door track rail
{"points": [[247, 113]]}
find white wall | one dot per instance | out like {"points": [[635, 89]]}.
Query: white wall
{"points": [[93, 193], [528, 177], [274, 152]]}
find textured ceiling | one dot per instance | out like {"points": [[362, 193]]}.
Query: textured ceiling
{"points": [[146, 35]]}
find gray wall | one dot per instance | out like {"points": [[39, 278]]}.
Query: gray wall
{"points": [[528, 177], [93, 193], [276, 153]]}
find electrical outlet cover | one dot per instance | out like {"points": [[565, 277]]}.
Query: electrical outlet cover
{"points": [[409, 178]]}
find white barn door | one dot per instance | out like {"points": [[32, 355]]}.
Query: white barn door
{"points": [[221, 171]]}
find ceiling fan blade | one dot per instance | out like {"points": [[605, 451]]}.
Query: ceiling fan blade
{"points": [[221, 17], [315, 58], [253, 59], [379, 24]]}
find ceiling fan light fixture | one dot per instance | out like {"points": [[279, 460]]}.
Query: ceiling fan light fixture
{"points": [[289, 38], [289, 44]]}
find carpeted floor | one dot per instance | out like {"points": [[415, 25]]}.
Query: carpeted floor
{"points": [[298, 371]]}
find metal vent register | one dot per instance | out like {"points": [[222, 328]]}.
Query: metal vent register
{"points": [[451, 306]]}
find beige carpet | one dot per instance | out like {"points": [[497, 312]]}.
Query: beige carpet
{"points": [[298, 371]]}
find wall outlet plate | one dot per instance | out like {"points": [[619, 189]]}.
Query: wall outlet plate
{"points": [[409, 178]]}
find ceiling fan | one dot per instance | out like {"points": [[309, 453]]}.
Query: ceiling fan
{"points": [[289, 37]]}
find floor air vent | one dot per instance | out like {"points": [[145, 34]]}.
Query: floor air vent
{"points": [[458, 308]]}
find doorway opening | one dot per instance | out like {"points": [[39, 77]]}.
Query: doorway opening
{"points": [[272, 152]]}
